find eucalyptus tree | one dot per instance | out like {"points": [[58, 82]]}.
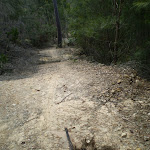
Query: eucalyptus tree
{"points": [[58, 24]]}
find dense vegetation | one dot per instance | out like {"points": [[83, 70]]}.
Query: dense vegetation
{"points": [[112, 30], [109, 31]]}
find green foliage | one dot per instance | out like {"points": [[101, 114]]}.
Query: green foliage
{"points": [[13, 35], [93, 24], [142, 55], [32, 20], [3, 60], [109, 31], [141, 4]]}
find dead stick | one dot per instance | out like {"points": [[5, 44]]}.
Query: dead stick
{"points": [[64, 98], [69, 141]]}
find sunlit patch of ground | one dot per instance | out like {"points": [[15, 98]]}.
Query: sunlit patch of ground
{"points": [[103, 107]]}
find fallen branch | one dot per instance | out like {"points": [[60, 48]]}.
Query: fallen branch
{"points": [[64, 98]]}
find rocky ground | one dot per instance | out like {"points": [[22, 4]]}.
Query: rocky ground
{"points": [[44, 91]]}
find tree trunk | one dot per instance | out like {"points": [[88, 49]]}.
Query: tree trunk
{"points": [[118, 9], [58, 24], [116, 42]]}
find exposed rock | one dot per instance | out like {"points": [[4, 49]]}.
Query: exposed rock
{"points": [[124, 135], [119, 81], [113, 91]]}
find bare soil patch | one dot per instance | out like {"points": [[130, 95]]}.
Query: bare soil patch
{"points": [[103, 107]]}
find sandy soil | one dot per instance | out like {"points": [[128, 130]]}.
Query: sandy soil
{"points": [[103, 107]]}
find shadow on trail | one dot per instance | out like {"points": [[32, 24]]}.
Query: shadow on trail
{"points": [[23, 63]]}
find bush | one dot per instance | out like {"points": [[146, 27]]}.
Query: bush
{"points": [[3, 60], [13, 35]]}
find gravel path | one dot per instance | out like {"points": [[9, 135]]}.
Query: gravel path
{"points": [[101, 106]]}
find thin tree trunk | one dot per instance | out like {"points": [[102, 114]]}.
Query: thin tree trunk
{"points": [[116, 42], [58, 24], [118, 9]]}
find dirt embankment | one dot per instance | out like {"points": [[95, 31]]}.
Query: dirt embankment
{"points": [[103, 107]]}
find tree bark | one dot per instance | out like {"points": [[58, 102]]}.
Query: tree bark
{"points": [[58, 24], [118, 9]]}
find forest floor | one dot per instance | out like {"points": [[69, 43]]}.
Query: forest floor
{"points": [[46, 90]]}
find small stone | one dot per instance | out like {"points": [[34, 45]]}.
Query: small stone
{"points": [[148, 114], [104, 101], [141, 102], [138, 83], [133, 75], [103, 92], [134, 115], [119, 81], [119, 89], [88, 141], [126, 76], [146, 138], [131, 131], [124, 135], [113, 91], [138, 149], [23, 142]]}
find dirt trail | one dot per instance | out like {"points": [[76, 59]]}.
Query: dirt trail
{"points": [[34, 110]]}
